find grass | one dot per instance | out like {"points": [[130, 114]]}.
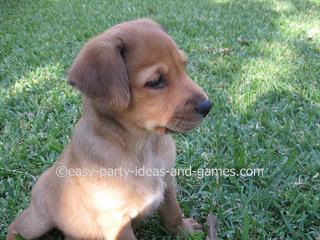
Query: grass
{"points": [[256, 61]]}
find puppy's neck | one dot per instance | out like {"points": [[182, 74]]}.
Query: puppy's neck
{"points": [[112, 125]]}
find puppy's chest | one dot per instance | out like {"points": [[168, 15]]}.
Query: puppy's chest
{"points": [[149, 180], [139, 192]]}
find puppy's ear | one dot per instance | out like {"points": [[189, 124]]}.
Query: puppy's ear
{"points": [[100, 73]]}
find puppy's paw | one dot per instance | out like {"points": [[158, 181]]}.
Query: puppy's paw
{"points": [[11, 233], [189, 225], [13, 236]]}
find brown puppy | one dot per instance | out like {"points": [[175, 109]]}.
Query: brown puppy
{"points": [[136, 92]]}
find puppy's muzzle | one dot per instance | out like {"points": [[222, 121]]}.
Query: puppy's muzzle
{"points": [[190, 116], [204, 107]]}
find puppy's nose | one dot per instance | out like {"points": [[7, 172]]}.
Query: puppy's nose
{"points": [[204, 107]]}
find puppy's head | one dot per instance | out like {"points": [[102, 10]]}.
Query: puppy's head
{"points": [[135, 70]]}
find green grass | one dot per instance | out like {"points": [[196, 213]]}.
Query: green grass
{"points": [[253, 58]]}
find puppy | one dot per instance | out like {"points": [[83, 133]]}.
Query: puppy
{"points": [[135, 93]]}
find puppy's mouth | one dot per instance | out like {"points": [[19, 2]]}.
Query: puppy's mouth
{"points": [[164, 130], [182, 125], [177, 126], [168, 130]]}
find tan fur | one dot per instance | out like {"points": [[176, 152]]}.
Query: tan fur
{"points": [[124, 124]]}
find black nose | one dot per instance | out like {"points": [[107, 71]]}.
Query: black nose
{"points": [[204, 107]]}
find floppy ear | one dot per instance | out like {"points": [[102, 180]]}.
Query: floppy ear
{"points": [[99, 72]]}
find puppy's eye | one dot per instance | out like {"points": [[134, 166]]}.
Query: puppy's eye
{"points": [[156, 84]]}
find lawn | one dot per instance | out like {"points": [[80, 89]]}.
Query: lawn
{"points": [[259, 62]]}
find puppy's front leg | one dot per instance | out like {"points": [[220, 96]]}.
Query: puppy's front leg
{"points": [[126, 233], [31, 223], [171, 214]]}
